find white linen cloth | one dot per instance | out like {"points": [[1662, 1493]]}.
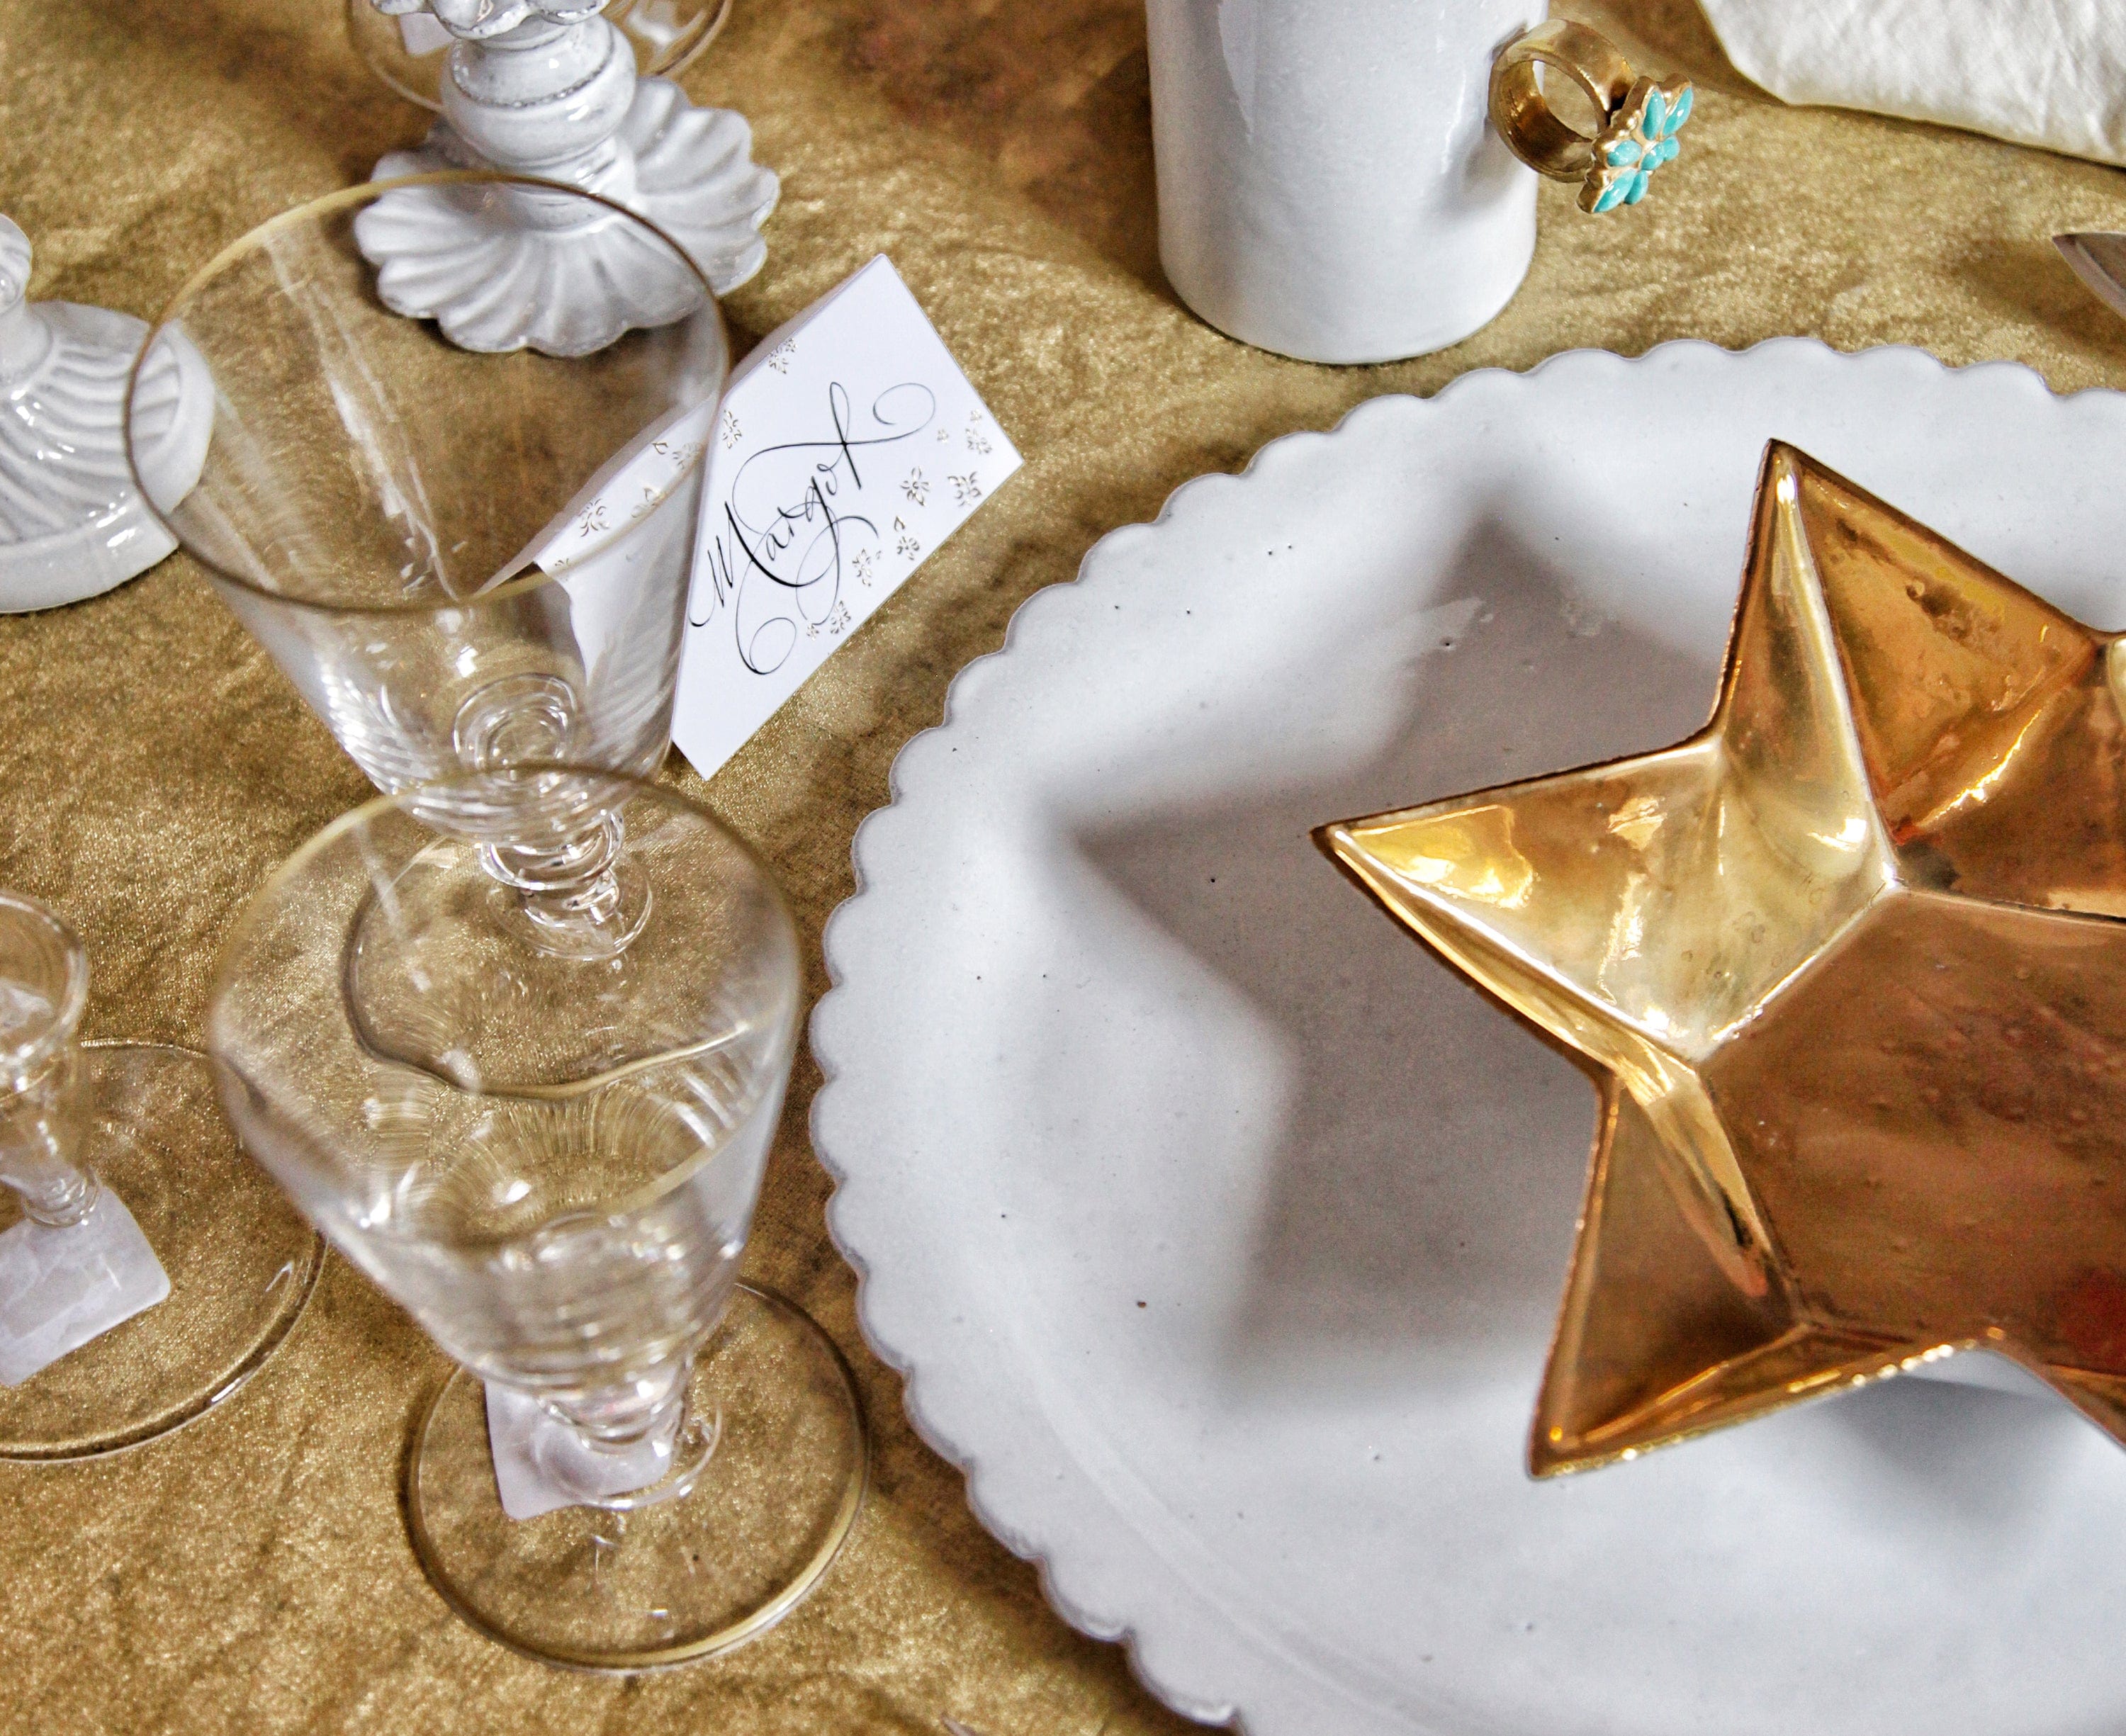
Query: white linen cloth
{"points": [[2049, 72]]}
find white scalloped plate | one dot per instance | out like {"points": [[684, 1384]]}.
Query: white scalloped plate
{"points": [[1219, 1231]]}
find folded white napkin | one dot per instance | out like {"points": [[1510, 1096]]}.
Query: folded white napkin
{"points": [[2050, 73]]}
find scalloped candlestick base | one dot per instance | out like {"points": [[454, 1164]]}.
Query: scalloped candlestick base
{"points": [[71, 524], [441, 254], [548, 89]]}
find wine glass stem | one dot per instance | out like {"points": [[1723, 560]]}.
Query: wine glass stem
{"points": [[37, 1146], [650, 1410], [569, 891]]}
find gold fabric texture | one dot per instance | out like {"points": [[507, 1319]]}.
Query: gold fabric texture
{"points": [[251, 1573]]}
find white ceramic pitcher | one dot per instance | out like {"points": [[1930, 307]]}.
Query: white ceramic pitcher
{"points": [[1328, 184]]}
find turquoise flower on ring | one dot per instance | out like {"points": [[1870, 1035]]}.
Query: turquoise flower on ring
{"points": [[1639, 139]]}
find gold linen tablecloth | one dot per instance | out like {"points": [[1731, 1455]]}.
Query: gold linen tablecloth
{"points": [[251, 1572]]}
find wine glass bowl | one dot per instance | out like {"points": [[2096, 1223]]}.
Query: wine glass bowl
{"points": [[44, 987], [462, 558], [418, 533]]}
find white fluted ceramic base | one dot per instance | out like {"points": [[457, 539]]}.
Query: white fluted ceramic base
{"points": [[71, 524], [447, 253]]}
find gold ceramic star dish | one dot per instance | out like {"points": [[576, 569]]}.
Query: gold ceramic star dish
{"points": [[1847, 969]]}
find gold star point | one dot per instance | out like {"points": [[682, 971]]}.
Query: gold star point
{"points": [[1846, 968]]}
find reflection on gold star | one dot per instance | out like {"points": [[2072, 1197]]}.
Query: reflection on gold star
{"points": [[1846, 968]]}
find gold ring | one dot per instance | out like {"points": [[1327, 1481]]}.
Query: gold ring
{"points": [[1640, 116]]}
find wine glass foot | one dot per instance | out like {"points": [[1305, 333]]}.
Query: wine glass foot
{"points": [[240, 1264], [683, 1579]]}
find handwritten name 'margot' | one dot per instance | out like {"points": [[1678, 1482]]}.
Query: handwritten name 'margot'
{"points": [[775, 563]]}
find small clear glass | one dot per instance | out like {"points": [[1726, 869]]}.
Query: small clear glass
{"points": [[116, 1159], [567, 1220], [461, 558]]}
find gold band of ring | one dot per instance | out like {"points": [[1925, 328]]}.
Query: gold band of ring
{"points": [[1524, 119]]}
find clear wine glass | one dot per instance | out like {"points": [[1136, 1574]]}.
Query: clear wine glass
{"points": [[461, 556], [683, 1455], [137, 1247]]}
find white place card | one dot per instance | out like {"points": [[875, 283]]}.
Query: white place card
{"points": [[847, 446]]}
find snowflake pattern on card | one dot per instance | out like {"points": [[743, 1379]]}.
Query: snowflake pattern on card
{"points": [[732, 433], [908, 548], [595, 518], [863, 564], [681, 456], [916, 486], [978, 443], [782, 355], [837, 617], [966, 489]]}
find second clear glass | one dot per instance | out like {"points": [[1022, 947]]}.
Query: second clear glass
{"points": [[572, 1238]]}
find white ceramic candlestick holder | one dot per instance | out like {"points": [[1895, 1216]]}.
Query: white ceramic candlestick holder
{"points": [[407, 53], [71, 524], [549, 89]]}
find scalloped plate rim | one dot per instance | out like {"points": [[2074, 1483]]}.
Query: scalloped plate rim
{"points": [[1031, 1534]]}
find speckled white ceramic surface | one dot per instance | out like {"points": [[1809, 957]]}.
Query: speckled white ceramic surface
{"points": [[1219, 1230]]}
